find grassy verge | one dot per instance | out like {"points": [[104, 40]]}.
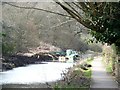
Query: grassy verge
{"points": [[88, 73], [79, 77], [108, 67], [89, 60], [71, 88]]}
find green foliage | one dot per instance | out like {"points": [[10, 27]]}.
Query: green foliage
{"points": [[89, 60], [71, 88], [109, 58], [110, 22], [102, 18], [7, 48], [2, 34], [81, 81], [109, 68], [88, 73]]}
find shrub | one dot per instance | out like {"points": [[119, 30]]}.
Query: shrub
{"points": [[7, 49]]}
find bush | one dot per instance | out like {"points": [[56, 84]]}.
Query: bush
{"points": [[7, 49]]}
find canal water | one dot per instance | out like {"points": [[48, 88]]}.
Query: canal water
{"points": [[35, 73]]}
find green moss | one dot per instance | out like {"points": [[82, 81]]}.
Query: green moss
{"points": [[88, 73]]}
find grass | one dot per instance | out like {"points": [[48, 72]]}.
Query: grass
{"points": [[71, 88], [89, 60], [109, 68], [86, 74]]}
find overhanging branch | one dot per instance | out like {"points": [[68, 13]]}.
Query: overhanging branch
{"points": [[72, 13], [86, 23], [37, 9]]}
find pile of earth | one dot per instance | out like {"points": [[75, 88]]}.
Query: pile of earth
{"points": [[10, 62]]}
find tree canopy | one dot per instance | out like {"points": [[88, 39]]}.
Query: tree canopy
{"points": [[25, 28], [101, 17]]}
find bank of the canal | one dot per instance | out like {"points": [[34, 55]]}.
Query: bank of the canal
{"points": [[35, 73]]}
